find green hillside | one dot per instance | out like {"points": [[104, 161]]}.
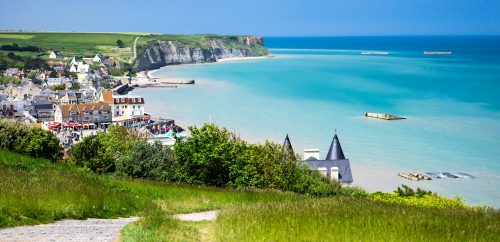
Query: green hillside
{"points": [[70, 44], [39, 191], [88, 44]]}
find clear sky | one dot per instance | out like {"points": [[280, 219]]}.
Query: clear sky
{"points": [[259, 17]]}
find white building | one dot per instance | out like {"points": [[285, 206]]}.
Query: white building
{"points": [[54, 81], [98, 57], [55, 54], [124, 106], [79, 67]]}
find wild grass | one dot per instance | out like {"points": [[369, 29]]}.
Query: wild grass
{"points": [[70, 44], [159, 225], [37, 191], [354, 219]]}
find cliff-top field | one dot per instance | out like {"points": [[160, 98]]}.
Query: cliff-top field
{"points": [[88, 44]]}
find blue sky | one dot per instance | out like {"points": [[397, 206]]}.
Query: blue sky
{"points": [[259, 17]]}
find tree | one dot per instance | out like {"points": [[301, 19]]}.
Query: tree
{"points": [[73, 75], [41, 143], [11, 55], [59, 87], [100, 153], [120, 43], [31, 141], [206, 156], [151, 161], [91, 154]]}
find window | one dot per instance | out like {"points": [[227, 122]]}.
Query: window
{"points": [[133, 107], [105, 116], [87, 112], [73, 112], [133, 100], [96, 111], [87, 118]]}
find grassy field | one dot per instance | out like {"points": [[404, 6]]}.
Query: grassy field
{"points": [[349, 219], [70, 44], [37, 191], [88, 44]]}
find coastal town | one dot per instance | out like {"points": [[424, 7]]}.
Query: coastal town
{"points": [[75, 97], [218, 121]]}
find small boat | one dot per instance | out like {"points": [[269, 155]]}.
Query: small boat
{"points": [[449, 175]]}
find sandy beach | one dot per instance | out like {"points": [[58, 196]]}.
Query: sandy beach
{"points": [[148, 79]]}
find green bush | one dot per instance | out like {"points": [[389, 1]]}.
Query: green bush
{"points": [[100, 153], [406, 195], [31, 141], [151, 161], [214, 156], [116, 71], [41, 143], [5, 80], [11, 134], [90, 153]]}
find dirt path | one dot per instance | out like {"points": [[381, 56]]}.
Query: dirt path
{"points": [[68, 230], [208, 215], [86, 230], [134, 49]]}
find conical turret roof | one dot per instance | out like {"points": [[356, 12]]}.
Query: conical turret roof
{"points": [[287, 145], [335, 152]]}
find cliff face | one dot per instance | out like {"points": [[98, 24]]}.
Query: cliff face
{"points": [[161, 53]]}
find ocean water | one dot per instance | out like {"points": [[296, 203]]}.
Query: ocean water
{"points": [[315, 86]]}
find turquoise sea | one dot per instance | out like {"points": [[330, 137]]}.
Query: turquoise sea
{"points": [[315, 85]]}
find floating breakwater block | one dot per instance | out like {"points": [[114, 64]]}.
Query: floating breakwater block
{"points": [[449, 175]]}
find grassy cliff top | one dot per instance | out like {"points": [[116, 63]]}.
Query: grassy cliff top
{"points": [[88, 44]]}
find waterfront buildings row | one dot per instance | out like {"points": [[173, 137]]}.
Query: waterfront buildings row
{"points": [[86, 106]]}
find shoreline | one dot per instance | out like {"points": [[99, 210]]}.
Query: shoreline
{"points": [[150, 73]]}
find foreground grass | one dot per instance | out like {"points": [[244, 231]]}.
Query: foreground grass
{"points": [[37, 191], [349, 219]]}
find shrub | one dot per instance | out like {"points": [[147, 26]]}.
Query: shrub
{"points": [[32, 141], [116, 71], [214, 156], [151, 161], [100, 153], [406, 195], [206, 156], [11, 134], [41, 143], [91, 154], [120, 43]]}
